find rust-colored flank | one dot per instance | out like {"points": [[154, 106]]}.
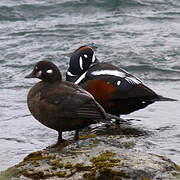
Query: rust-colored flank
{"points": [[101, 90]]}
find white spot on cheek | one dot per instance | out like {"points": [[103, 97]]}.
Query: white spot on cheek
{"points": [[118, 83], [50, 71], [81, 62], [38, 74], [85, 55]]}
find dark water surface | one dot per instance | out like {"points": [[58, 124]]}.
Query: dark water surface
{"points": [[142, 36]]}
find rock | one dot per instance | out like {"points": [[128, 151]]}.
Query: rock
{"points": [[109, 153]]}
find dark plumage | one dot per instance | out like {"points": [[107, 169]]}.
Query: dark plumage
{"points": [[60, 105], [115, 89]]}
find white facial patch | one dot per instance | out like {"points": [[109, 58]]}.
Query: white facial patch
{"points": [[38, 74], [81, 62], [109, 72], [93, 58], [49, 71], [80, 78], [70, 74], [85, 55]]}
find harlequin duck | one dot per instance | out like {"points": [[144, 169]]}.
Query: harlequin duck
{"points": [[61, 105], [115, 89]]}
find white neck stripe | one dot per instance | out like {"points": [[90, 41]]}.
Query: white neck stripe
{"points": [[80, 78]]}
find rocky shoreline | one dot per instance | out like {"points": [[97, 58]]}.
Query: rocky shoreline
{"points": [[104, 152]]}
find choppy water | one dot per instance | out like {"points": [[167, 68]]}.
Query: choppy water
{"points": [[141, 36]]}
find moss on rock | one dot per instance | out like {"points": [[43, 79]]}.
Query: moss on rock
{"points": [[109, 156], [9, 173]]}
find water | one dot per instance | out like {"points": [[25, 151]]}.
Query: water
{"points": [[141, 36]]}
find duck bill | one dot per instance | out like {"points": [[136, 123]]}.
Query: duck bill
{"points": [[31, 75]]}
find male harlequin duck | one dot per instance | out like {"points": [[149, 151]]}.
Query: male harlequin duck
{"points": [[61, 105], [115, 89]]}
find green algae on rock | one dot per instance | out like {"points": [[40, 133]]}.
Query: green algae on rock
{"points": [[9, 173], [102, 162], [94, 157]]}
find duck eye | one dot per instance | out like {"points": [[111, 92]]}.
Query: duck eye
{"points": [[85, 55], [49, 71]]}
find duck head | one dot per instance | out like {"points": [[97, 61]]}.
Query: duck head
{"points": [[46, 71], [81, 60]]}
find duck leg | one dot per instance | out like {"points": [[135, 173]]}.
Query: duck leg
{"points": [[76, 136], [60, 139], [117, 122], [117, 119]]}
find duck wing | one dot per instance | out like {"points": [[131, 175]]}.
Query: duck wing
{"points": [[70, 100]]}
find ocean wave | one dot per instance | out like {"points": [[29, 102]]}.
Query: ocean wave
{"points": [[10, 14], [152, 73], [38, 10]]}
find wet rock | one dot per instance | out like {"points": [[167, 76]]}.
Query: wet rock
{"points": [[109, 153]]}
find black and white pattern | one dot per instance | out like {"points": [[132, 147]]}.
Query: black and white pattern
{"points": [[131, 79], [82, 77]]}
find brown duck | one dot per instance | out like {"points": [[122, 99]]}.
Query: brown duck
{"points": [[61, 105]]}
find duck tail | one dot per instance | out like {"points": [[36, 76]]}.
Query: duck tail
{"points": [[162, 98]]}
